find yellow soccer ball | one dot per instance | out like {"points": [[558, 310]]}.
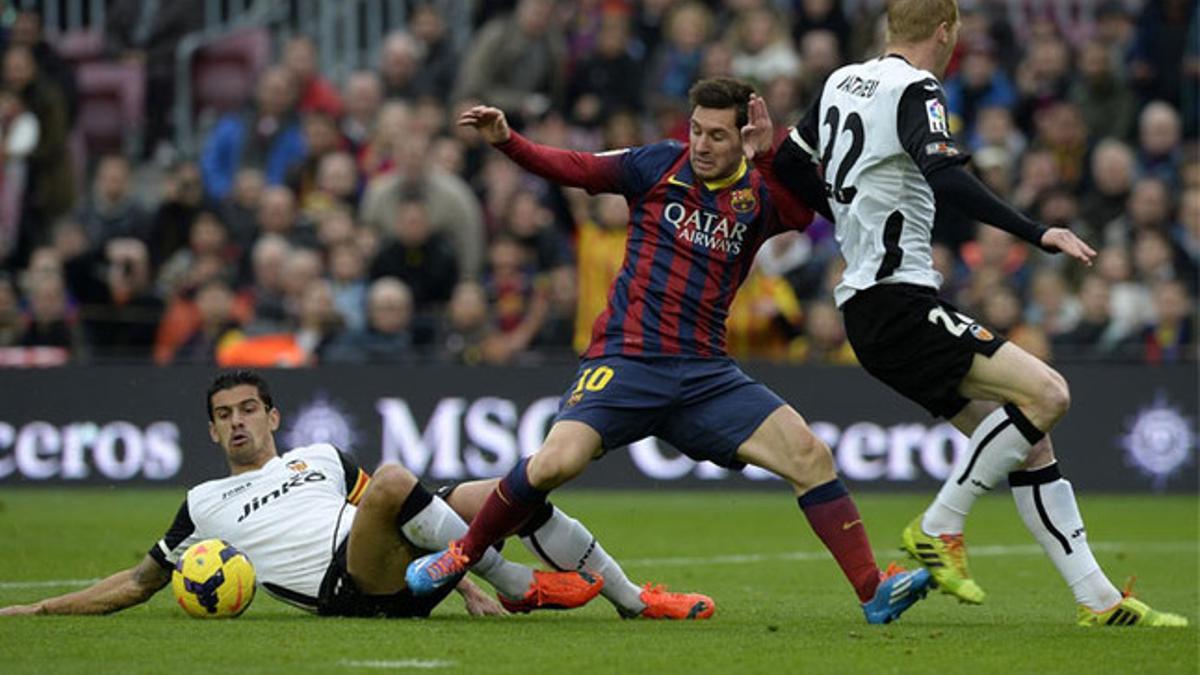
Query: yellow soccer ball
{"points": [[213, 580]]}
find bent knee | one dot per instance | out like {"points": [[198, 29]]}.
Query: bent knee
{"points": [[391, 483], [557, 463], [1054, 396]]}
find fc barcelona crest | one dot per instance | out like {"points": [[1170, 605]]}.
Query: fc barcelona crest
{"points": [[743, 201]]}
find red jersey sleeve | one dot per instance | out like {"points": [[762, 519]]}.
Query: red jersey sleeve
{"points": [[790, 212], [592, 172]]}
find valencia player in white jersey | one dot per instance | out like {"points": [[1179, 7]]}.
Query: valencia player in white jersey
{"points": [[327, 538], [874, 154]]}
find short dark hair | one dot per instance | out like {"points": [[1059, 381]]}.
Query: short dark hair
{"points": [[721, 93], [236, 378]]}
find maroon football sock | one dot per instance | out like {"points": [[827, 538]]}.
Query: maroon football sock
{"points": [[833, 516], [508, 507]]}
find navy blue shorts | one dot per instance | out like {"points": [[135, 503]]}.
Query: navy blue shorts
{"points": [[705, 407]]}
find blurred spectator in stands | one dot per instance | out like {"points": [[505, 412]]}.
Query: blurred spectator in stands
{"points": [[386, 339], [997, 250], [1148, 207], [50, 188], [555, 335], [1115, 29], [762, 49], [449, 154], [465, 326], [1130, 301], [319, 323], [1043, 77], [599, 251], [439, 55], [1096, 335], [1051, 305], [1059, 207], [399, 63], [11, 324], [532, 225], [321, 137], [269, 257], [337, 186], [717, 61], [1039, 172], [1153, 259], [314, 92], [378, 157], [1160, 148], [1111, 179], [121, 313], [148, 33], [1186, 235], [1156, 66], [239, 211], [27, 30], [218, 325], [994, 128], [820, 54], [267, 136], [418, 255], [277, 214], [675, 64], [1062, 132], [516, 62], [994, 166], [208, 236], [814, 15], [334, 227], [979, 83], [450, 205], [348, 279], [364, 97], [1107, 104], [1171, 337], [111, 210], [301, 268], [609, 79], [765, 319], [182, 198], [519, 299], [49, 321], [19, 132], [824, 339], [783, 100]]}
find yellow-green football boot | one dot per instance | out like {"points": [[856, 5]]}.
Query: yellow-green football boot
{"points": [[1129, 612], [945, 556]]}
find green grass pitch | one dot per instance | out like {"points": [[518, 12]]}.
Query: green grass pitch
{"points": [[782, 605]]}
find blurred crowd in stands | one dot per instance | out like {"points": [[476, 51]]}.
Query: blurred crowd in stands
{"points": [[351, 222]]}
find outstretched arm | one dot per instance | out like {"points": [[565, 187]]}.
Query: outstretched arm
{"points": [[592, 172], [123, 589]]}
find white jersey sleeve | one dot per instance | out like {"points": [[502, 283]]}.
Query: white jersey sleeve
{"points": [[881, 127]]}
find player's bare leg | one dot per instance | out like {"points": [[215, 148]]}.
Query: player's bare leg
{"points": [[785, 445], [564, 543], [564, 454], [398, 519]]}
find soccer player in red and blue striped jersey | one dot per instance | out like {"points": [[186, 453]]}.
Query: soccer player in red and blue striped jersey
{"points": [[657, 365]]}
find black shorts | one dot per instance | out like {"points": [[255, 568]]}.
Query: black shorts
{"points": [[916, 343], [340, 596]]}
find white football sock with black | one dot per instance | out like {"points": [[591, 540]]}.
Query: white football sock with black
{"points": [[429, 523], [565, 544], [999, 444], [1047, 504]]}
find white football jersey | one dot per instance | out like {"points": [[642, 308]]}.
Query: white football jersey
{"points": [[288, 517], [876, 130]]}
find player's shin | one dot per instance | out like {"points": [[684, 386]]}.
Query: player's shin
{"points": [[430, 523], [565, 544], [998, 445], [1047, 504], [508, 507], [834, 517]]}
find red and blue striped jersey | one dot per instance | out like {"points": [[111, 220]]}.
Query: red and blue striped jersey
{"points": [[689, 244]]}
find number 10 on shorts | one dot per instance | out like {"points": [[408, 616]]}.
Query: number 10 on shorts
{"points": [[592, 379]]}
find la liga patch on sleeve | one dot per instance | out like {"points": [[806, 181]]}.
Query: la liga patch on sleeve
{"points": [[936, 113]]}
